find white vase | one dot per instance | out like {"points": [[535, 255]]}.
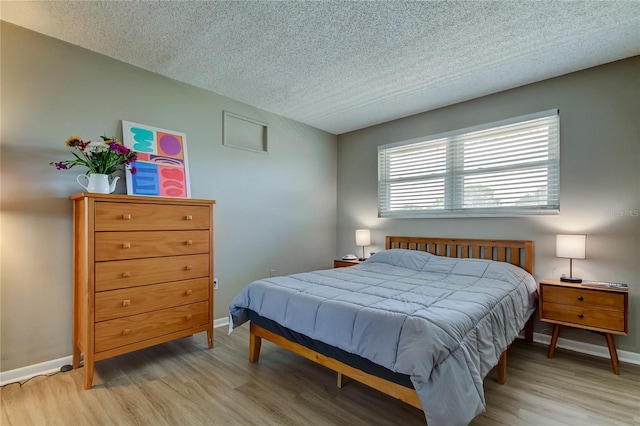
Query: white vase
{"points": [[98, 183]]}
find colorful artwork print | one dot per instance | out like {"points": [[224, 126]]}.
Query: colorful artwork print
{"points": [[162, 167]]}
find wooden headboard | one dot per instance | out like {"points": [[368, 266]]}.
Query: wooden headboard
{"points": [[516, 252]]}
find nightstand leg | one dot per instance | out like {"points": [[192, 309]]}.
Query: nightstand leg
{"points": [[554, 340], [614, 354]]}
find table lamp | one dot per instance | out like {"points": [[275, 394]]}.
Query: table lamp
{"points": [[572, 247], [363, 238]]}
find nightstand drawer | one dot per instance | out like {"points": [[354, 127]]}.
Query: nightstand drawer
{"points": [[339, 263], [584, 298], [609, 320]]}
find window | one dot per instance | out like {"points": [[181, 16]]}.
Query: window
{"points": [[506, 168]]}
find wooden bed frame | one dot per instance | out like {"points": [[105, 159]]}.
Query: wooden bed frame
{"points": [[517, 252]]}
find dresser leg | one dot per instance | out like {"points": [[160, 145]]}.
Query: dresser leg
{"points": [[554, 340], [75, 363], [88, 373], [612, 351]]}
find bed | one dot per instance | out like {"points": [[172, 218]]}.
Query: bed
{"points": [[423, 321]]}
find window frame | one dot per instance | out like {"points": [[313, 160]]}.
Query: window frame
{"points": [[453, 189]]}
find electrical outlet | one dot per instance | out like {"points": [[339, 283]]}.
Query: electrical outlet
{"points": [[215, 283], [272, 273]]}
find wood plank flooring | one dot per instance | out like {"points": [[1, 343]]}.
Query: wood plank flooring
{"points": [[184, 383]]}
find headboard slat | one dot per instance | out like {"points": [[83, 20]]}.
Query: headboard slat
{"points": [[488, 252]]}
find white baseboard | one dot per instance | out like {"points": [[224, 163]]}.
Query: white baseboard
{"points": [[48, 367], [588, 348], [221, 322], [25, 373], [53, 366]]}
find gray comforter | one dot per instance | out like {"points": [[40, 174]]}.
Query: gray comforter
{"points": [[440, 320]]}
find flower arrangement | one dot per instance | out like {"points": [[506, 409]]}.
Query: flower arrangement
{"points": [[103, 157]]}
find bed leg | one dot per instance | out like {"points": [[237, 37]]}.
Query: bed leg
{"points": [[339, 383], [254, 346], [502, 368], [528, 331]]}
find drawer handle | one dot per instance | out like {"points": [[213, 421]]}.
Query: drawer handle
{"points": [[580, 316], [126, 245], [580, 298], [188, 292], [189, 242], [126, 274], [126, 302], [125, 331], [126, 217], [188, 268], [188, 217], [187, 317]]}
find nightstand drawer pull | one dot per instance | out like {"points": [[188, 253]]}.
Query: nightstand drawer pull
{"points": [[188, 292], [126, 217], [126, 245], [580, 298], [125, 331], [580, 316], [189, 242], [188, 217], [188, 268], [187, 317], [126, 274], [126, 302]]}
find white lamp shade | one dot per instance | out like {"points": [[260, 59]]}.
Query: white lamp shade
{"points": [[571, 246], [363, 237]]}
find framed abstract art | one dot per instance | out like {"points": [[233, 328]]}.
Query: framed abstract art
{"points": [[162, 167]]}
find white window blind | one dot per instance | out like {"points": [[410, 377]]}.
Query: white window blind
{"points": [[506, 168]]}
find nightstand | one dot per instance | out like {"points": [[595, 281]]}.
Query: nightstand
{"points": [[602, 310], [341, 263]]}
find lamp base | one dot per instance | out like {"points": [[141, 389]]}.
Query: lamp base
{"points": [[570, 280]]}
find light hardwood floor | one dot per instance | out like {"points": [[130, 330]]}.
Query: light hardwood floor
{"points": [[184, 383]]}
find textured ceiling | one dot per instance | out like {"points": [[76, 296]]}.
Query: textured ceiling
{"points": [[341, 66]]}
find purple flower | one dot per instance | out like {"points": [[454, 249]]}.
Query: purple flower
{"points": [[60, 165]]}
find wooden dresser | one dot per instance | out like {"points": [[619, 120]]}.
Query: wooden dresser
{"points": [[143, 273]]}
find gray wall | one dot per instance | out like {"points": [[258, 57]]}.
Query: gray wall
{"points": [[600, 179], [274, 211]]}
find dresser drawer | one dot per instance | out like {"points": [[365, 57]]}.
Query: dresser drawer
{"points": [[133, 245], [123, 331], [116, 274], [609, 320], [132, 301], [583, 297], [149, 217]]}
